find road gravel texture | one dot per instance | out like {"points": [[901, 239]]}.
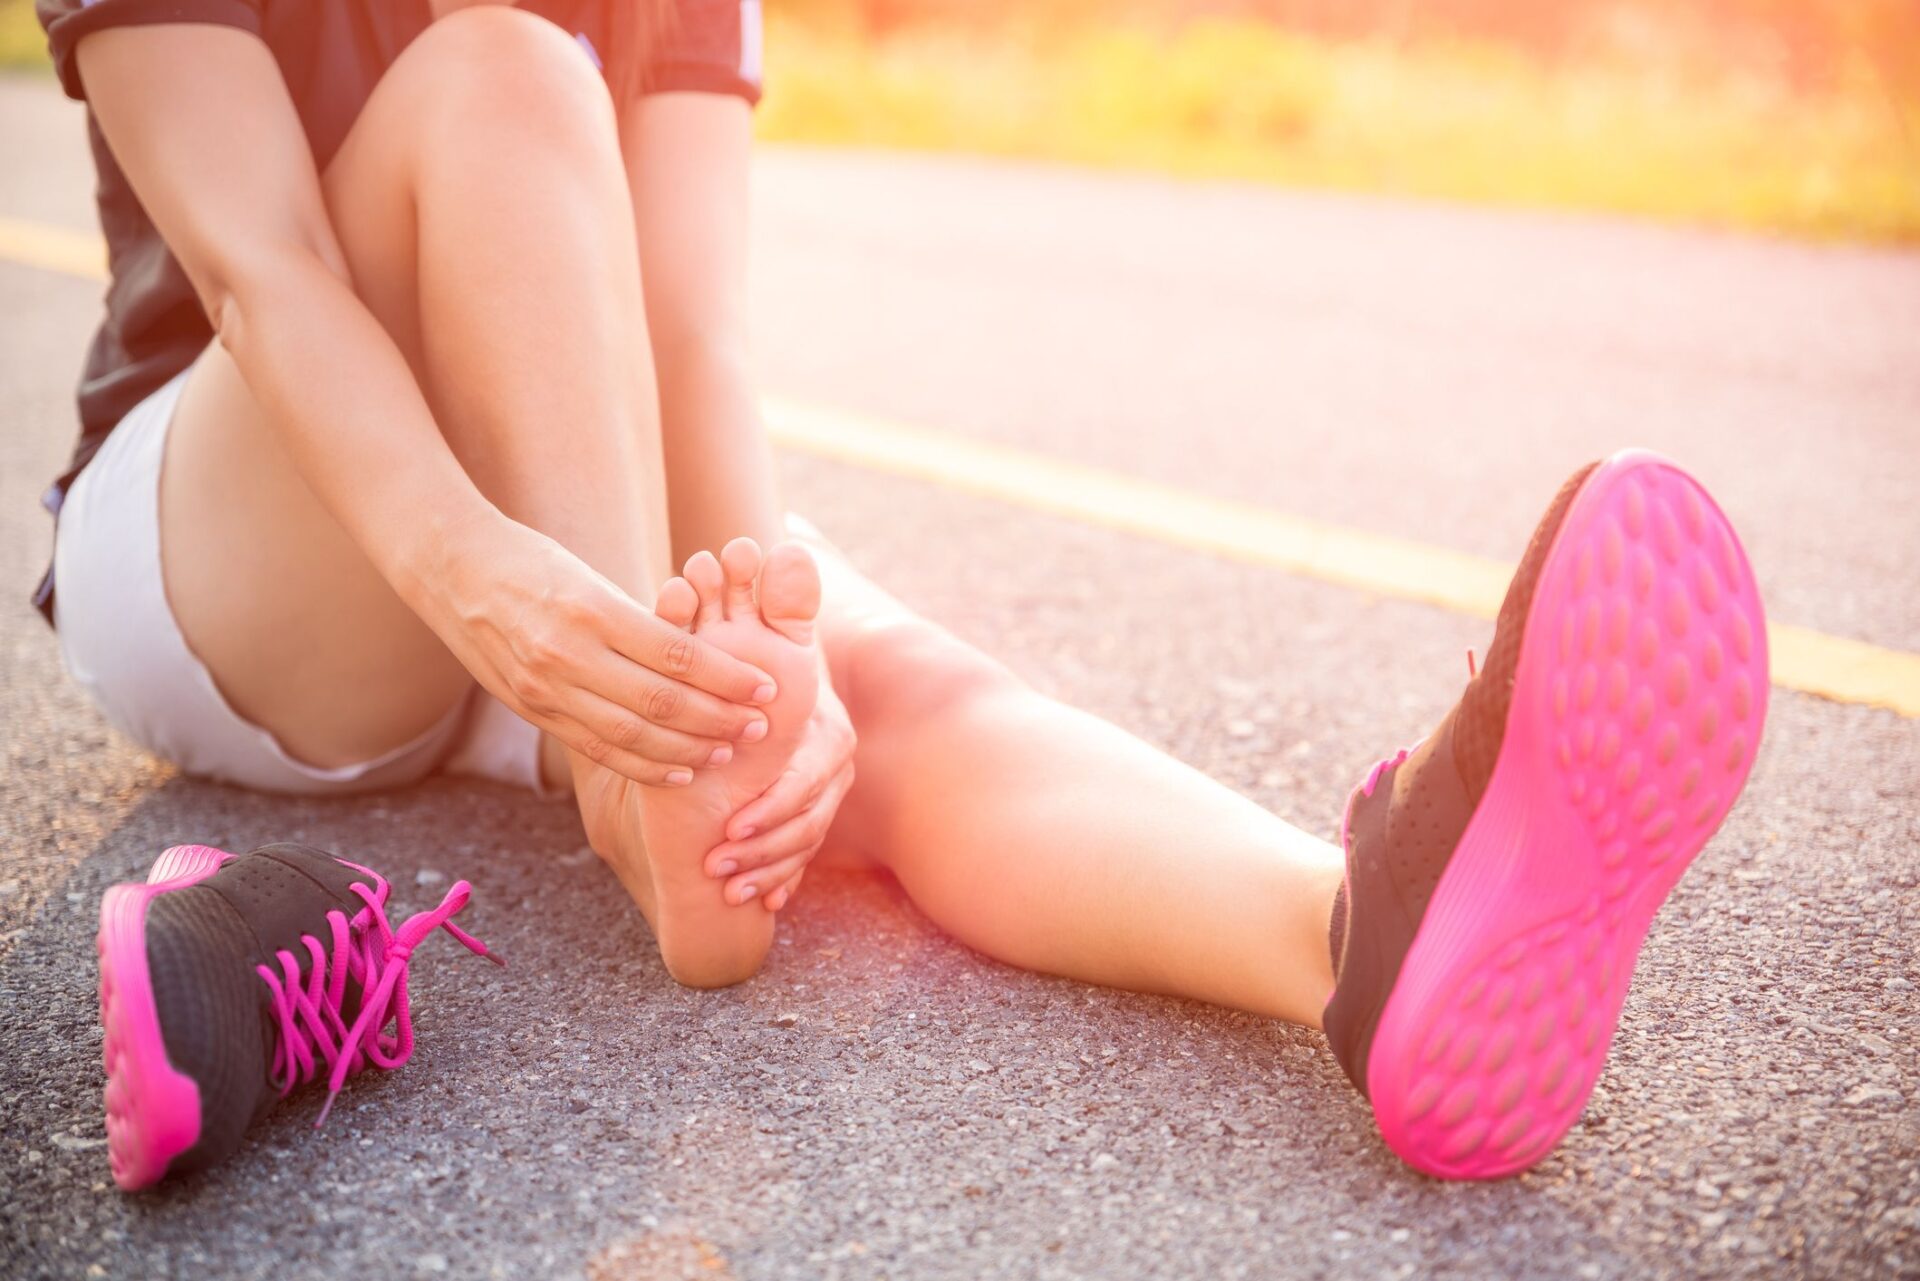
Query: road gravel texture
{"points": [[881, 1102]]}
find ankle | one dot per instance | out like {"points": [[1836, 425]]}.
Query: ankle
{"points": [[555, 767]]}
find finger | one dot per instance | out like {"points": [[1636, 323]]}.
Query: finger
{"points": [[740, 560], [659, 656], [704, 573], [779, 898], [625, 731], [797, 790], [791, 793], [804, 829], [659, 700], [577, 738], [677, 602], [746, 886]]}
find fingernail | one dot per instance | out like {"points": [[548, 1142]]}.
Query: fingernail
{"points": [[745, 832], [754, 732], [727, 868], [748, 891], [764, 694], [680, 777], [721, 755]]}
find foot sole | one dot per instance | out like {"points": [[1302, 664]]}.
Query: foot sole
{"points": [[1638, 702], [153, 1111]]}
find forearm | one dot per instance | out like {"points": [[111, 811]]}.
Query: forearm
{"points": [[687, 168], [199, 118], [720, 467], [351, 415]]}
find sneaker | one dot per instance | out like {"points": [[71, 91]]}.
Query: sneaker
{"points": [[226, 980], [1502, 875]]}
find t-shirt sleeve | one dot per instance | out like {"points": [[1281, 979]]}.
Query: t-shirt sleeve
{"points": [[68, 20], [709, 46]]}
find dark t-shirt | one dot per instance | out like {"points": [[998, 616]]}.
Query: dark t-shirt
{"points": [[331, 54]]}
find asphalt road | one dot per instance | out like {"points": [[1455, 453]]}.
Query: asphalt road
{"points": [[880, 1101]]}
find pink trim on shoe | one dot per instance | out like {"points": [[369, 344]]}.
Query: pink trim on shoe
{"points": [[153, 1112], [1637, 708]]}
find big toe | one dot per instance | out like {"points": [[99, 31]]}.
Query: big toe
{"points": [[790, 592]]}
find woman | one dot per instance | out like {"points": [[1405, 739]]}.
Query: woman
{"points": [[423, 364]]}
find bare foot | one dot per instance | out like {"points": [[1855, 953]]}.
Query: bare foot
{"points": [[656, 837]]}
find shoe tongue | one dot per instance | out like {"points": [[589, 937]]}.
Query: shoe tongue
{"points": [[1480, 719], [286, 891], [1414, 819]]}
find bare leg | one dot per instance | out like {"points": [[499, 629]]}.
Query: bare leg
{"points": [[687, 164], [492, 234], [517, 304], [1051, 840]]}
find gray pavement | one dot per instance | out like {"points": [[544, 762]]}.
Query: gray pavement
{"points": [[882, 1102]]}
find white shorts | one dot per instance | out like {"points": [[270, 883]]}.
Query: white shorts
{"points": [[121, 643]]}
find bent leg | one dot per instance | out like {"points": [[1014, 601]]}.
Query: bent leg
{"points": [[492, 234], [517, 304], [1052, 840], [301, 633]]}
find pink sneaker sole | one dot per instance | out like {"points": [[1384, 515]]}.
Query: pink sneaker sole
{"points": [[153, 1112], [1637, 708]]}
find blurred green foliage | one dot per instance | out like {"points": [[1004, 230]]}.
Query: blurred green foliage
{"points": [[1806, 44], [1798, 116], [22, 43]]}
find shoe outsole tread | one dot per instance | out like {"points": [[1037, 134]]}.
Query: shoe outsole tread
{"points": [[1638, 703]]}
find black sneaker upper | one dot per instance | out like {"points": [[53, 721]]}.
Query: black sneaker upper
{"points": [[203, 944], [1400, 837]]}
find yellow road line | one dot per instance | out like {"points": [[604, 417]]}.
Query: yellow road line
{"points": [[1849, 671], [35, 244], [1812, 662]]}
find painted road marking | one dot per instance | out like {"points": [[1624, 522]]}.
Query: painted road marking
{"points": [[35, 244], [1812, 662], [1835, 667]]}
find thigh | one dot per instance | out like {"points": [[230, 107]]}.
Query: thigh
{"points": [[303, 636]]}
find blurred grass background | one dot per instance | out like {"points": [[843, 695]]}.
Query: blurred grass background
{"points": [[1791, 116], [1796, 116]]}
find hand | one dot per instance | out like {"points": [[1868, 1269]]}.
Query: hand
{"points": [[772, 838], [570, 652]]}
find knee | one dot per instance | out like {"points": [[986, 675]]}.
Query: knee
{"points": [[500, 66], [917, 671]]}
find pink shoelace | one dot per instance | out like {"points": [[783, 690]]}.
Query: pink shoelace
{"points": [[374, 957], [1381, 767]]}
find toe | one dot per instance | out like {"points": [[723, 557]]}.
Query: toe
{"points": [[741, 559], [677, 602], [790, 592], [704, 573]]}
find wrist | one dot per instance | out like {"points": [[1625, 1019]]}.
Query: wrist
{"points": [[441, 542]]}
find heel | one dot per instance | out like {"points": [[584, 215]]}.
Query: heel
{"points": [[153, 1111]]}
